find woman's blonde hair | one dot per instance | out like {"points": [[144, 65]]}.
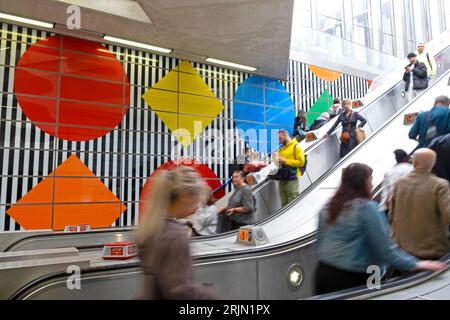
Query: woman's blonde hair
{"points": [[164, 189]]}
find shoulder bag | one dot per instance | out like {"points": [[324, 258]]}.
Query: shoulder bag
{"points": [[345, 136]]}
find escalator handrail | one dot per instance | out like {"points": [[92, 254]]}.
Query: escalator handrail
{"points": [[331, 171], [297, 243], [386, 286], [55, 234]]}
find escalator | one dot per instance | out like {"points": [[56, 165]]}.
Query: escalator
{"points": [[264, 272], [417, 286], [324, 154], [380, 105]]}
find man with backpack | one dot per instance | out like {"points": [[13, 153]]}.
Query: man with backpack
{"points": [[292, 162], [432, 124], [428, 59]]}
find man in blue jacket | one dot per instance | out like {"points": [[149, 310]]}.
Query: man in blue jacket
{"points": [[433, 123]]}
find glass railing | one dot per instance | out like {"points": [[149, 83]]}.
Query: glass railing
{"points": [[315, 47], [395, 74]]}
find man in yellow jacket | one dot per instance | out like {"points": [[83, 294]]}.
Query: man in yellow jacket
{"points": [[291, 158]]}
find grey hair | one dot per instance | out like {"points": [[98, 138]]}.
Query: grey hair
{"points": [[442, 100]]}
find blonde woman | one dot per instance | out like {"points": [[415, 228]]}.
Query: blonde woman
{"points": [[349, 120], [163, 243]]}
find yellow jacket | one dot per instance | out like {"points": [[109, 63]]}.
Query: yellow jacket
{"points": [[297, 160]]}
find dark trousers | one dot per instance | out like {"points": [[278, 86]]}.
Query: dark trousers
{"points": [[347, 147], [225, 224], [329, 279]]}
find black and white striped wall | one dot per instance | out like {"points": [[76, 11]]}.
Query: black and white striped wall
{"points": [[125, 157]]}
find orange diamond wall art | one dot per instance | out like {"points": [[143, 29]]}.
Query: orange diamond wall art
{"points": [[71, 195]]}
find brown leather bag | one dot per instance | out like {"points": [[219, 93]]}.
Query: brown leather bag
{"points": [[360, 135], [345, 136]]}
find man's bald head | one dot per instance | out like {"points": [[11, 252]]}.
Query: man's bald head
{"points": [[424, 160]]}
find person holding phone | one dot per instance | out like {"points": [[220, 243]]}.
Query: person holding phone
{"points": [[415, 76]]}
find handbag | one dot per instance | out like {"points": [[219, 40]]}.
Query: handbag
{"points": [[345, 136], [360, 135]]}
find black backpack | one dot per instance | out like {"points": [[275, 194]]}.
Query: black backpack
{"points": [[290, 173], [303, 169]]}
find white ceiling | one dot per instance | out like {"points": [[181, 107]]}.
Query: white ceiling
{"points": [[250, 32]]}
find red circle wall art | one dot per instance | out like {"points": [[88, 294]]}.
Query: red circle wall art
{"points": [[72, 89], [206, 173]]}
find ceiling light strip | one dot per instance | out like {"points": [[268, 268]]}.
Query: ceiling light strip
{"points": [[231, 64], [137, 44], [26, 20]]}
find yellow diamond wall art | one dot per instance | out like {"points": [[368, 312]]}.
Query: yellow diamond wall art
{"points": [[184, 103]]}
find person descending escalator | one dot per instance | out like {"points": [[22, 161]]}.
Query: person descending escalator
{"points": [[441, 145], [335, 109], [162, 240], [415, 76], [349, 120], [291, 159], [300, 124], [428, 59], [432, 124], [402, 168], [354, 235], [204, 222], [319, 122], [241, 206], [420, 209]]}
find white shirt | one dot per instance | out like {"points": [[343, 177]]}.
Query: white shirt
{"points": [[411, 82], [390, 178], [431, 68], [205, 221]]}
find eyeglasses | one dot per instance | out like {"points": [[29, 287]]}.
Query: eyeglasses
{"points": [[421, 46]]}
